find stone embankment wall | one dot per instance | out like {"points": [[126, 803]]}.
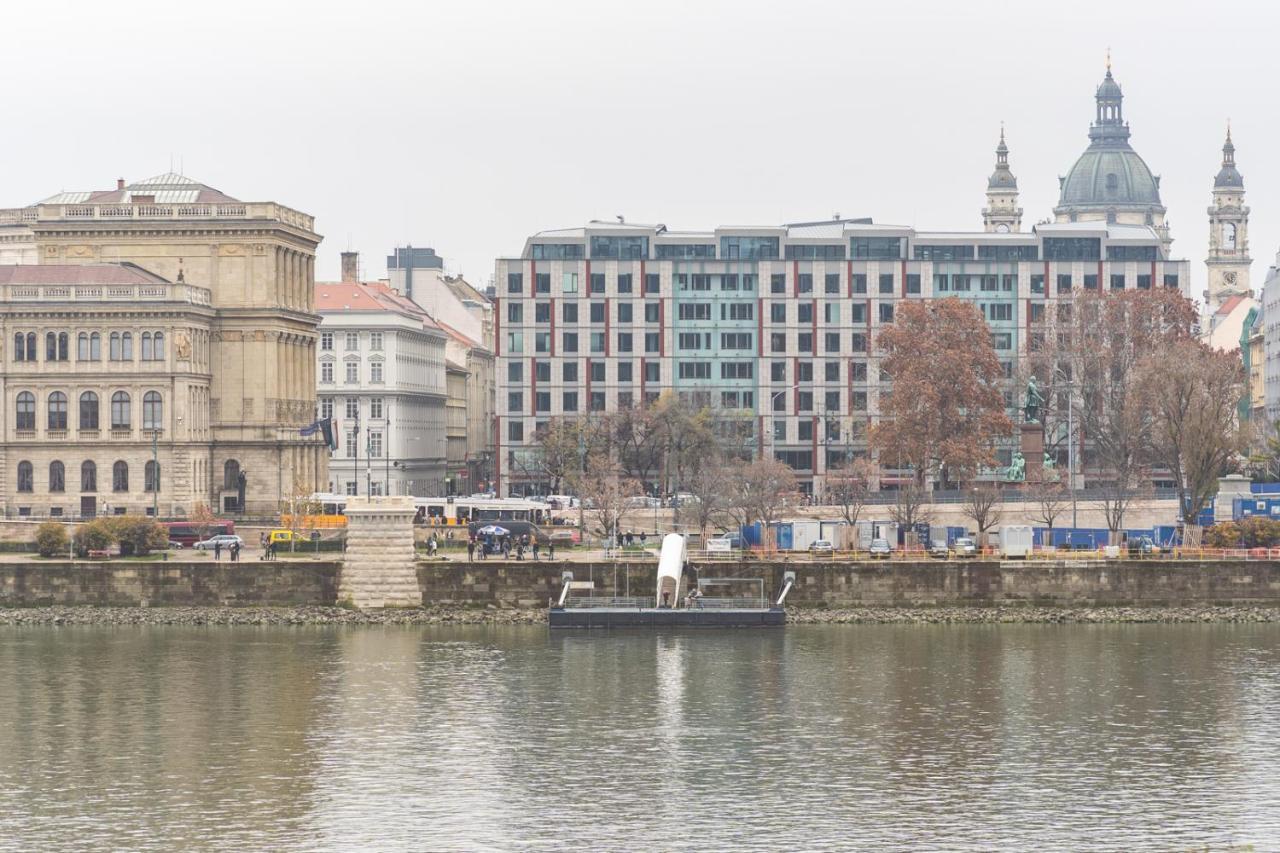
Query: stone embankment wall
{"points": [[528, 584], [169, 584]]}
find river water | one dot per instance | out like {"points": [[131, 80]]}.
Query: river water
{"points": [[1124, 737]]}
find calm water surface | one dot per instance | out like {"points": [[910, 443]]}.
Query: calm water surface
{"points": [[813, 738]]}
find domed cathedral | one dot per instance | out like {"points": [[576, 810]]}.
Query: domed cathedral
{"points": [[1110, 182], [1002, 214], [1228, 260]]}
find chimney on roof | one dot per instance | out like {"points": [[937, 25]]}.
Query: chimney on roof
{"points": [[119, 183], [350, 266]]}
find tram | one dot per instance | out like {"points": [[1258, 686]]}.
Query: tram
{"points": [[454, 511]]}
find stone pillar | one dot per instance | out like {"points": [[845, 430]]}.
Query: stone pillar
{"points": [[1032, 447], [378, 570]]}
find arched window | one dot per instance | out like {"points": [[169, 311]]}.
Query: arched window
{"points": [[95, 347], [1229, 235], [151, 476], [19, 347], [57, 477], [120, 476], [57, 410], [152, 410], [126, 346], [26, 477], [157, 346], [121, 410], [64, 341], [115, 346], [231, 474], [50, 347], [31, 346], [88, 410], [88, 477], [146, 346], [82, 346], [26, 411]]}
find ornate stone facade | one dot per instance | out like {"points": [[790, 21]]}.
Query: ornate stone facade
{"points": [[256, 260]]}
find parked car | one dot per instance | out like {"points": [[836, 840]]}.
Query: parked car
{"points": [[938, 549], [880, 549], [642, 502], [175, 545], [822, 547], [284, 537], [562, 537], [681, 499], [724, 542], [1141, 546], [226, 540], [965, 548]]}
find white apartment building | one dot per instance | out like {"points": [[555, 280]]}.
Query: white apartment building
{"points": [[381, 378]]}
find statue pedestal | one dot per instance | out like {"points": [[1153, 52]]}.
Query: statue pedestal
{"points": [[1032, 447]]}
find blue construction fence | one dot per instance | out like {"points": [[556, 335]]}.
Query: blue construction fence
{"points": [[1078, 538]]}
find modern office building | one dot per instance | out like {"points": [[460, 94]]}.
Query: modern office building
{"points": [[255, 261]]}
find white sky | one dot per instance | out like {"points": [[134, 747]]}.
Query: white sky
{"points": [[467, 126]]}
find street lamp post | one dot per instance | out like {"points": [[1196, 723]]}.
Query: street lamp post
{"points": [[1071, 442], [772, 418]]}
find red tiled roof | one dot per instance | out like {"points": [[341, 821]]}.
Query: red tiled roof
{"points": [[334, 296], [1230, 305], [124, 273]]}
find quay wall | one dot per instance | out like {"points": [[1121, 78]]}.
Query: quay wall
{"points": [[527, 584]]}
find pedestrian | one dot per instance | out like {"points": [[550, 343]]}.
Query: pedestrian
{"points": [[471, 550], [235, 552], [551, 552], [217, 550], [643, 536], [535, 550], [520, 551], [262, 540], [271, 550]]}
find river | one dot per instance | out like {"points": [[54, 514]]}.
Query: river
{"points": [[1114, 737]]}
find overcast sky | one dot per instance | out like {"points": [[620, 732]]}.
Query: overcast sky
{"points": [[467, 126]]}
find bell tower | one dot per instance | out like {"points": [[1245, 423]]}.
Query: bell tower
{"points": [[1002, 214], [1228, 260]]}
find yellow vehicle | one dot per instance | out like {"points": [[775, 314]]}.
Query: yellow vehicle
{"points": [[282, 537]]}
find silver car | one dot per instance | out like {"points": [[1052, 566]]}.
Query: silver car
{"points": [[880, 549], [226, 540], [965, 548]]}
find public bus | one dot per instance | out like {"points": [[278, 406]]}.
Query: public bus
{"points": [[189, 533], [446, 512]]}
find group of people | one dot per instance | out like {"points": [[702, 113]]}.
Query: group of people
{"points": [[233, 548], [506, 545], [629, 538], [268, 547]]}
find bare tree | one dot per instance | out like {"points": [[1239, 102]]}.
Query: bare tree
{"points": [[299, 510], [760, 491], [1193, 393], [710, 485], [203, 519], [607, 490], [982, 507], [850, 487], [1048, 497], [911, 506]]}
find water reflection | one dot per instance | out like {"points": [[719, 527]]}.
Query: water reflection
{"points": [[956, 737]]}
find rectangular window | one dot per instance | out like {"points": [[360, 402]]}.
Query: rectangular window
{"points": [[858, 401], [326, 341], [1091, 282], [997, 311], [831, 312], [652, 283], [913, 282], [624, 283], [1001, 340], [375, 444], [622, 248], [804, 342], [569, 282], [1144, 282], [569, 312], [804, 430], [652, 371], [858, 371], [625, 310], [738, 311], [652, 311], [515, 431], [831, 283], [735, 340], [694, 369], [1117, 282], [542, 312], [352, 446], [805, 283], [624, 371], [737, 369], [804, 312], [729, 281], [1171, 280], [831, 401], [779, 401], [597, 282], [326, 372], [886, 312], [558, 251], [597, 312], [375, 372], [876, 248], [326, 407], [353, 340], [962, 283], [988, 283], [1037, 284], [515, 282], [779, 427], [778, 342], [1007, 282], [569, 342], [778, 371], [832, 341], [515, 401], [515, 371], [804, 401], [569, 372], [858, 342], [375, 340], [515, 342], [858, 312], [694, 311], [689, 340], [1072, 249], [1064, 282], [652, 341], [569, 401], [859, 282], [597, 371], [831, 372], [542, 282], [886, 284], [701, 281], [352, 408], [515, 312], [597, 341], [353, 372], [542, 371], [542, 401], [625, 342], [778, 312], [943, 253], [804, 371], [749, 248], [778, 283]]}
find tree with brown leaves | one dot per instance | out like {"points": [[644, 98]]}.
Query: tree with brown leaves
{"points": [[850, 487], [1192, 392], [947, 407], [607, 490], [760, 491]]}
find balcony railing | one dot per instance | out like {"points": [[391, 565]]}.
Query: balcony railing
{"points": [[153, 211], [98, 293]]}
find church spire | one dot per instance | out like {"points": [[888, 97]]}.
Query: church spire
{"points": [[1002, 213], [1109, 127], [1228, 176]]}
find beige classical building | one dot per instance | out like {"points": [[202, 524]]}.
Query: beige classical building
{"points": [[256, 261]]}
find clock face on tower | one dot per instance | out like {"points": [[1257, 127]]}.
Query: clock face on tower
{"points": [[1229, 277], [1002, 228]]}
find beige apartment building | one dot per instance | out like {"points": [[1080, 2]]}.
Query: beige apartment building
{"points": [[255, 260]]}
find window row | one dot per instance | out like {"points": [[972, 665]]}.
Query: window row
{"points": [[88, 346], [57, 481], [351, 372], [56, 410], [352, 340]]}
